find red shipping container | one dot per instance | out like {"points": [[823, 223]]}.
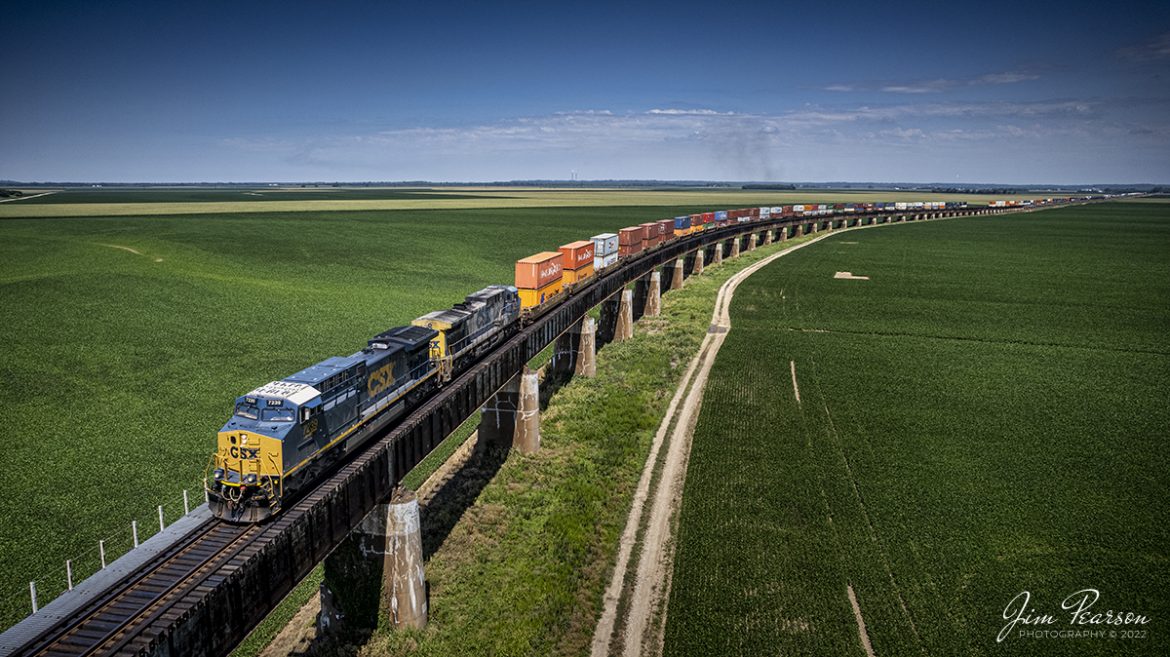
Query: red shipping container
{"points": [[651, 233], [631, 235], [708, 217], [665, 229], [629, 249]]}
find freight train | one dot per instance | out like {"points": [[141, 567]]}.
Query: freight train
{"points": [[283, 436]]}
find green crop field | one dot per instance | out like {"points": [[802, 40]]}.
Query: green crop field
{"points": [[986, 415], [129, 202]]}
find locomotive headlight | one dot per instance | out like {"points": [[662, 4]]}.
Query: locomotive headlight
{"points": [[250, 479], [217, 474]]}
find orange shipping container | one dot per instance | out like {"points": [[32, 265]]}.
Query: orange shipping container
{"points": [[537, 271], [576, 255]]}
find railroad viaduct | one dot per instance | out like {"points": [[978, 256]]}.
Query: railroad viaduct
{"points": [[199, 586]]}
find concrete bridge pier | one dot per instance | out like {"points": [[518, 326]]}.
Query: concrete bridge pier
{"points": [[678, 276], [625, 317], [782, 234], [734, 247], [700, 256], [767, 237], [753, 239], [718, 253], [404, 586], [527, 437], [587, 349], [653, 295]]}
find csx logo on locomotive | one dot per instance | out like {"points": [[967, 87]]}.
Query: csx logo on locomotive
{"points": [[244, 452], [380, 379]]}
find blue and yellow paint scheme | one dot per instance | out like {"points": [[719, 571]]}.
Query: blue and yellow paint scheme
{"points": [[285, 434]]}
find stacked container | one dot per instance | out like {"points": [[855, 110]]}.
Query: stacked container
{"points": [[605, 250], [682, 226], [721, 218], [651, 234], [631, 240], [577, 261], [538, 278], [666, 229]]}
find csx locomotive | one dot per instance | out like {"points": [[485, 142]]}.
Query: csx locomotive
{"points": [[283, 435]]}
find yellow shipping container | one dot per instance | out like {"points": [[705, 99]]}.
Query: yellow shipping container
{"points": [[570, 276], [530, 298]]}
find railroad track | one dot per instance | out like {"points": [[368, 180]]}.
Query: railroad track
{"points": [[112, 623]]}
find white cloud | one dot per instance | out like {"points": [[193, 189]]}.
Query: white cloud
{"points": [[807, 143], [689, 112], [1157, 48], [937, 85]]}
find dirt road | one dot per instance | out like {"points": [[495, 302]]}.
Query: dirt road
{"points": [[643, 598]]}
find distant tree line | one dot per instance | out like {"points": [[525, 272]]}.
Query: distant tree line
{"points": [[775, 186], [10, 193]]}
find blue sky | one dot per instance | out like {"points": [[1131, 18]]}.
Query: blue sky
{"points": [[268, 91]]}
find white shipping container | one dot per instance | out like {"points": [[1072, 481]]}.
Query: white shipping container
{"points": [[798, 208], [765, 213], [601, 262], [604, 244]]}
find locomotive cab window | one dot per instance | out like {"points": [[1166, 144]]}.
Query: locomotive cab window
{"points": [[244, 410], [278, 415], [305, 414]]}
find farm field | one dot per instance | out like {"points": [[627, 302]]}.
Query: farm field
{"points": [[985, 415], [128, 338], [122, 202], [117, 195]]}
